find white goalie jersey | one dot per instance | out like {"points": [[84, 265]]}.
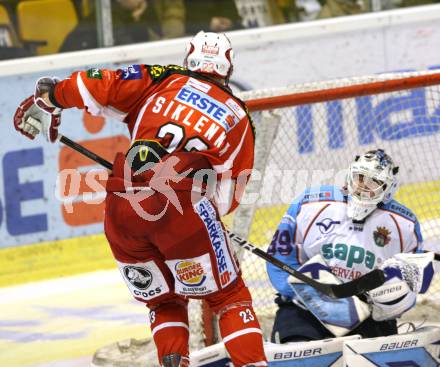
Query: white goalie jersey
{"points": [[316, 223]]}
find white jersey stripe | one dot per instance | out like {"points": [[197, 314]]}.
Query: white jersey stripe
{"points": [[169, 324], [241, 333]]}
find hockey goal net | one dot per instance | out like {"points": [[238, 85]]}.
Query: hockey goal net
{"points": [[308, 134]]}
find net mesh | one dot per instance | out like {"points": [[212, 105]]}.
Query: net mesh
{"points": [[312, 144]]}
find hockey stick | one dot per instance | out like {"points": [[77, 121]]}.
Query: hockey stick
{"points": [[359, 286], [84, 151]]}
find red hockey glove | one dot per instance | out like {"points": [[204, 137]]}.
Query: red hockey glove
{"points": [[36, 114]]}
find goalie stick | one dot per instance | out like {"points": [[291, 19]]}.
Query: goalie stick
{"points": [[359, 286]]}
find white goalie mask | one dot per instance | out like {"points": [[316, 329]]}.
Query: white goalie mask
{"points": [[210, 53], [371, 180]]}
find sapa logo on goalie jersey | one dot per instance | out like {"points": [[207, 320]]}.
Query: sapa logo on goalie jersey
{"points": [[350, 254]]}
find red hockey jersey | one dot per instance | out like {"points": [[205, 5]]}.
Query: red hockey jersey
{"points": [[181, 110]]}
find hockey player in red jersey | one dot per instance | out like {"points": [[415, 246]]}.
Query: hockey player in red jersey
{"points": [[162, 217]]}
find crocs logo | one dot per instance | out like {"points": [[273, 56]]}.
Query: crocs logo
{"points": [[141, 278]]}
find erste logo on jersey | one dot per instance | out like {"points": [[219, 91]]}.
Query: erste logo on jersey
{"points": [[132, 72], [226, 269], [190, 273], [207, 105], [316, 196]]}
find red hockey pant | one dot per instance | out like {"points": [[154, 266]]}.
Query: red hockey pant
{"points": [[167, 256]]}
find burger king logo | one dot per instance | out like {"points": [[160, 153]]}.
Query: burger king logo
{"points": [[190, 273]]}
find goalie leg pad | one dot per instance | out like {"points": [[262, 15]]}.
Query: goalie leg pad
{"points": [[239, 327], [292, 323], [417, 348], [170, 329]]}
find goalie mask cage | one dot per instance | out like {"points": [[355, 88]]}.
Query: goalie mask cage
{"points": [[306, 136]]}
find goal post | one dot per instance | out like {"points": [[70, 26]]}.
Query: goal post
{"points": [[307, 135]]}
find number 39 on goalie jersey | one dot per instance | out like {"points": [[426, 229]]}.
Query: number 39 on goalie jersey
{"points": [[316, 223]]}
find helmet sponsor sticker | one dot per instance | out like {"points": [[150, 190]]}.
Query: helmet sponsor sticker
{"points": [[225, 265], [210, 50], [144, 280], [193, 276]]}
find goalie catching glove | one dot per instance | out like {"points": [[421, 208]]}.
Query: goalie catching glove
{"points": [[406, 276], [37, 114]]}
